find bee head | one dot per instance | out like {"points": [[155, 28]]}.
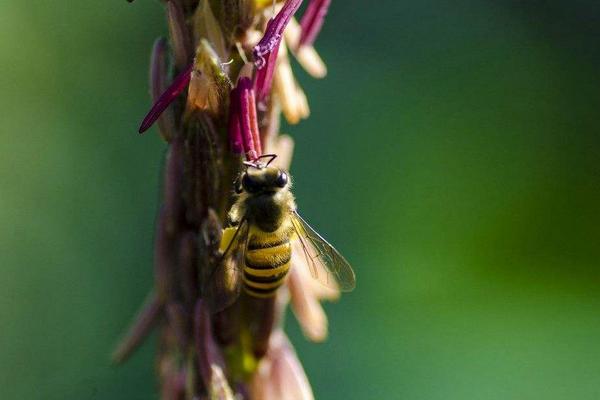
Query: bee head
{"points": [[262, 180]]}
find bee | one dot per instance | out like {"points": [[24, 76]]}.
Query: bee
{"points": [[257, 247]]}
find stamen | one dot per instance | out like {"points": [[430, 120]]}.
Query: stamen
{"points": [[241, 52], [235, 129], [248, 120], [263, 80], [179, 84], [265, 52], [312, 21], [254, 122], [158, 83], [244, 133]]}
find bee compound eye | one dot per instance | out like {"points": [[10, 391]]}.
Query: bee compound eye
{"points": [[282, 179], [249, 184]]}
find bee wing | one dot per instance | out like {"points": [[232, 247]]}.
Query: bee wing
{"points": [[224, 284], [325, 263]]}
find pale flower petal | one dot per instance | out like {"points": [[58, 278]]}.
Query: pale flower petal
{"points": [[307, 308], [293, 100], [280, 375], [284, 148], [288, 372], [306, 55]]}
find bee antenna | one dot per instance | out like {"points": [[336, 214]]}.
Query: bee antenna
{"points": [[256, 162], [271, 157]]}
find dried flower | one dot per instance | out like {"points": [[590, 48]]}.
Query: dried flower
{"points": [[240, 352]]}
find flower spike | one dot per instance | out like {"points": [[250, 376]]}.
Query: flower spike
{"points": [[216, 343]]}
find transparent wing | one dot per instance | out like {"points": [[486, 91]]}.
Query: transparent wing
{"points": [[326, 264], [223, 286]]}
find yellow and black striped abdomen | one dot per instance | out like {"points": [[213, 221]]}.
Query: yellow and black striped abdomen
{"points": [[267, 263]]}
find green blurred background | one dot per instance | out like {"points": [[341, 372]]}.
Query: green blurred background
{"points": [[453, 154]]}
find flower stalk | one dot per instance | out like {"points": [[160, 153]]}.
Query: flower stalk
{"points": [[220, 85]]}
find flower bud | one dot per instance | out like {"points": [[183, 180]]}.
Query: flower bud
{"points": [[209, 84], [158, 84], [180, 38], [142, 325], [208, 352]]}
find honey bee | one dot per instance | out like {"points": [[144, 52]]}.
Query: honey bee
{"points": [[257, 247]]}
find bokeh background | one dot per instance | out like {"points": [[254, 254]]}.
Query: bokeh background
{"points": [[453, 154]]}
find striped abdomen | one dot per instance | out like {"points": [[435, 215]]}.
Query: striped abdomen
{"points": [[267, 262]]}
